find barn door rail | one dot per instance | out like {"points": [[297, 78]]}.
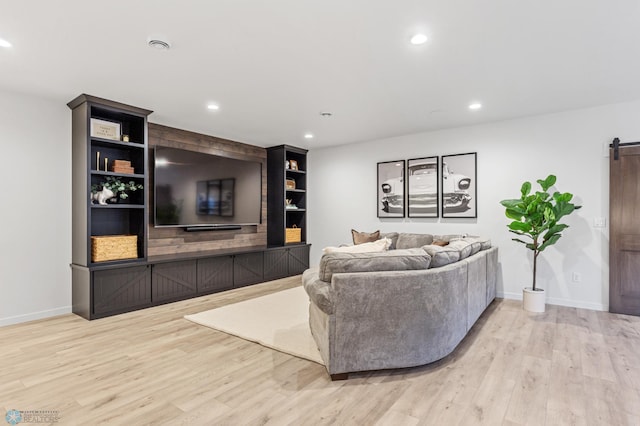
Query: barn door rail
{"points": [[616, 144]]}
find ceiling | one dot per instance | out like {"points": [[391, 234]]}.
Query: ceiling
{"points": [[274, 66]]}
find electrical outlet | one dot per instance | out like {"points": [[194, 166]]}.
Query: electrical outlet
{"points": [[599, 222], [576, 277]]}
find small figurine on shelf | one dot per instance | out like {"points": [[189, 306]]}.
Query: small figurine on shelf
{"points": [[125, 138], [102, 196], [287, 165], [289, 204]]}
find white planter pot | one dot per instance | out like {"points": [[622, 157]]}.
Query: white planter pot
{"points": [[533, 301]]}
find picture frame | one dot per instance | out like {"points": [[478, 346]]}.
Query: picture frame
{"points": [[423, 183], [293, 164], [105, 129], [459, 185], [391, 189]]}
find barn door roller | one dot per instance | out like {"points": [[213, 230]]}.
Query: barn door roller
{"points": [[616, 147]]}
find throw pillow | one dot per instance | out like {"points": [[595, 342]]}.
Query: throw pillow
{"points": [[440, 243], [372, 247], [393, 236], [364, 237]]}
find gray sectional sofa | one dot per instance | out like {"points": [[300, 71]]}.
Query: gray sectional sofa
{"points": [[399, 308]]}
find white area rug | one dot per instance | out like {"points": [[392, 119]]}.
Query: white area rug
{"points": [[279, 321]]}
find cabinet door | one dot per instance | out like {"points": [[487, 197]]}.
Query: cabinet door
{"points": [[276, 264], [173, 281], [121, 290], [298, 260], [215, 274], [247, 269]]}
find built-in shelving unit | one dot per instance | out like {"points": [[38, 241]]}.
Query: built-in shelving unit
{"points": [[287, 176], [105, 288], [93, 160]]}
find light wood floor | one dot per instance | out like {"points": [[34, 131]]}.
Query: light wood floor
{"points": [[567, 366]]}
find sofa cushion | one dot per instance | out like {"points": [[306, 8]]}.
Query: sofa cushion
{"points": [[406, 241], [463, 246], [364, 237], [441, 256], [446, 238], [393, 236], [374, 246], [396, 260], [484, 243]]}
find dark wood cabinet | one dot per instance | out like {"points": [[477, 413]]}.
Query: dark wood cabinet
{"points": [[248, 269], [215, 274], [298, 258], [119, 290], [285, 261], [174, 281]]}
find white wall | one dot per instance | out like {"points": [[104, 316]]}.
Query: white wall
{"points": [[35, 208], [342, 193]]}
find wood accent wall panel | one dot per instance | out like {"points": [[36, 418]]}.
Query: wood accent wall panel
{"points": [[164, 241]]}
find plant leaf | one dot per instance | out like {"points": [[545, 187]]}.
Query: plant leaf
{"points": [[519, 226], [552, 240]]}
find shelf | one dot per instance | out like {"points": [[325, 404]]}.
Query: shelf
{"points": [[296, 190], [107, 264], [302, 172], [117, 206], [295, 210], [102, 173], [111, 142]]}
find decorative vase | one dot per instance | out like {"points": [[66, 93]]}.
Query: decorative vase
{"points": [[533, 301]]}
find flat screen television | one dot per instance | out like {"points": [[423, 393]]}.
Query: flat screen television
{"points": [[196, 190]]}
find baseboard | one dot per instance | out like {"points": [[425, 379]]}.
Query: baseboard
{"points": [[559, 302], [34, 316]]}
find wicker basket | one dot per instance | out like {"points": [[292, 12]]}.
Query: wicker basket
{"points": [[293, 235], [114, 247], [290, 183]]}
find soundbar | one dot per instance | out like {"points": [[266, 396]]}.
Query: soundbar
{"points": [[212, 228]]}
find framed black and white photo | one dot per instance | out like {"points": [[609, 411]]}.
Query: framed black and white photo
{"points": [[390, 192], [459, 185], [422, 187]]}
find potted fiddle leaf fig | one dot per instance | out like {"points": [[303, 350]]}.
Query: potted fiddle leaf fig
{"points": [[536, 222]]}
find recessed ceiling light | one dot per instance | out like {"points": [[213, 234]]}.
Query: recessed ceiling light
{"points": [[326, 114], [419, 39], [4, 43], [308, 136], [159, 44], [475, 105], [213, 107]]}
